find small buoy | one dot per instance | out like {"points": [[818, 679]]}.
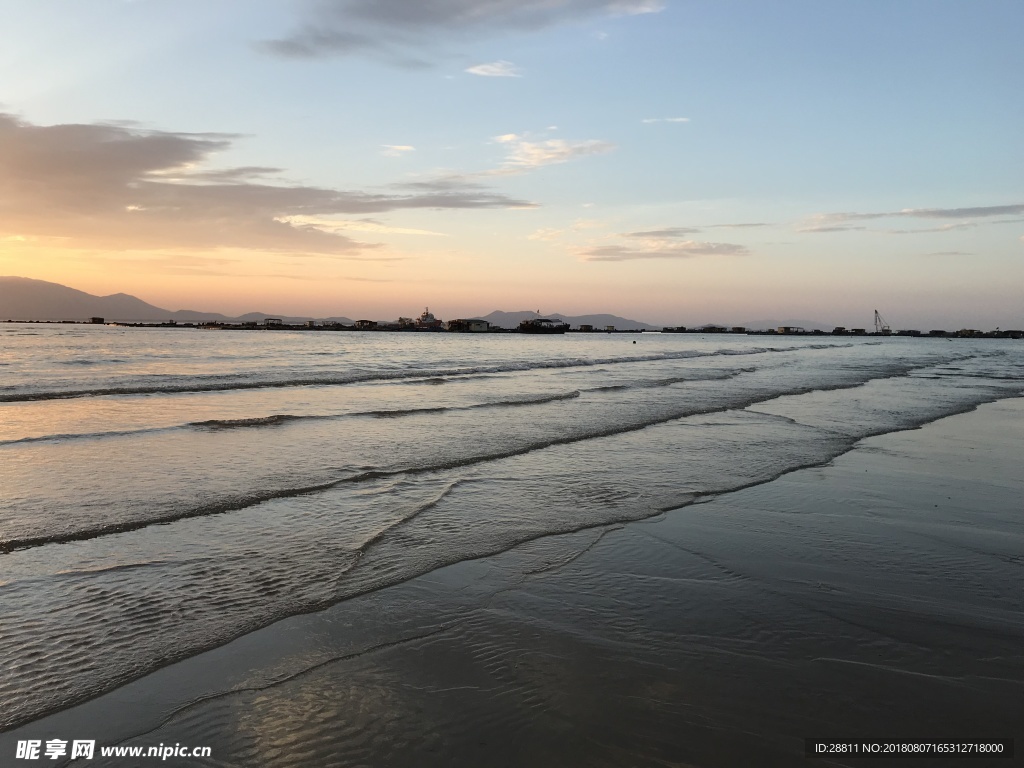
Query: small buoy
{"points": [[634, 342]]}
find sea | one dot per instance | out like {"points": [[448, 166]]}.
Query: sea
{"points": [[165, 493]]}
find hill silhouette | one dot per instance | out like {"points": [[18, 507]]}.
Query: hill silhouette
{"points": [[23, 298]]}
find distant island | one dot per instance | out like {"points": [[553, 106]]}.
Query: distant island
{"points": [[23, 298]]}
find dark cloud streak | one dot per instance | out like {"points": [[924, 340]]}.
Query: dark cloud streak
{"points": [[829, 228], [668, 232], [928, 213], [676, 250], [387, 27]]}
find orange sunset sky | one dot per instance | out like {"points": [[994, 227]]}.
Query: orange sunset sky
{"points": [[674, 162]]}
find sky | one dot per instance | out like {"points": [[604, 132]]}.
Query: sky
{"points": [[677, 162]]}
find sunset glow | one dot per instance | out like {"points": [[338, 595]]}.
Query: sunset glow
{"points": [[678, 163]]}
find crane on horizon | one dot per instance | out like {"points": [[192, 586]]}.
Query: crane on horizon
{"points": [[881, 327]]}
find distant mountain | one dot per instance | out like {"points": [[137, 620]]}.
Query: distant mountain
{"points": [[22, 298], [513, 319]]}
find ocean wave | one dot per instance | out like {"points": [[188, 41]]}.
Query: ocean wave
{"points": [[280, 419], [694, 377], [55, 438], [384, 553], [218, 507], [397, 413], [509, 403], [89, 361], [259, 421], [219, 384], [240, 502]]}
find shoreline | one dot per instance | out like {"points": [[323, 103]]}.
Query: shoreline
{"points": [[964, 333], [820, 603]]}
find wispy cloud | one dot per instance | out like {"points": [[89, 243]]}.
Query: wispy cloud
{"points": [[662, 243], [650, 120], [454, 185], [234, 175], [635, 7], [526, 155], [668, 232], [546, 235], [685, 249], [828, 228], [962, 218], [943, 228], [686, 231], [328, 224], [396, 150], [119, 187], [980, 212], [500, 68], [413, 33], [964, 213], [521, 156]]}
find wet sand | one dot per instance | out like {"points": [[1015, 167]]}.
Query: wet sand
{"points": [[878, 597]]}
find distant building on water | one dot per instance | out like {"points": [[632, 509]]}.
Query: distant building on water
{"points": [[472, 325]]}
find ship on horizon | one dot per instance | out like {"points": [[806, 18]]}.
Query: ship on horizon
{"points": [[543, 325]]}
